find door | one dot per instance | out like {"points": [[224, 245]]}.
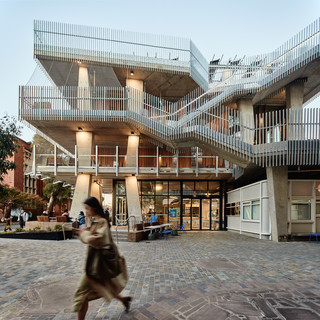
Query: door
{"points": [[215, 214], [186, 213], [121, 215], [205, 214], [195, 214]]}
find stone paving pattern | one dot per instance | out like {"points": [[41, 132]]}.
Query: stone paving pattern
{"points": [[197, 275]]}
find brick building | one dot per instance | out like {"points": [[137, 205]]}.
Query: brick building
{"points": [[18, 178]]}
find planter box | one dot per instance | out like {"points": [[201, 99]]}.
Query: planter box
{"points": [[55, 235]]}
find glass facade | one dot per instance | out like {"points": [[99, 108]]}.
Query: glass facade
{"points": [[177, 202]]}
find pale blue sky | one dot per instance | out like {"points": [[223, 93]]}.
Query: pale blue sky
{"points": [[228, 27]]}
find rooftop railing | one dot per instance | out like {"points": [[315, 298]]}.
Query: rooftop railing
{"points": [[68, 42]]}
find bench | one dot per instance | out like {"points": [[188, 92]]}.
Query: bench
{"points": [[314, 235], [43, 218], [138, 235], [61, 218], [166, 232]]}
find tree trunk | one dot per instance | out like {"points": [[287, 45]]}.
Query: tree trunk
{"points": [[50, 204]]}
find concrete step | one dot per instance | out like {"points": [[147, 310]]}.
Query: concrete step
{"points": [[122, 236]]}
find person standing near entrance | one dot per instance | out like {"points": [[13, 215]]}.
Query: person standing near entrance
{"points": [[97, 235], [20, 218]]}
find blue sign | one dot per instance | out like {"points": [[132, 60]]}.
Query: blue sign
{"points": [[173, 213]]}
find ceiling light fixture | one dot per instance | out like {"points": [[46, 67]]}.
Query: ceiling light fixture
{"points": [[80, 129], [132, 73]]}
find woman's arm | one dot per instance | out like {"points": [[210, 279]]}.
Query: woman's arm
{"points": [[95, 236]]}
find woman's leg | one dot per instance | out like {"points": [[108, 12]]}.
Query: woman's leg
{"points": [[82, 313], [126, 301]]}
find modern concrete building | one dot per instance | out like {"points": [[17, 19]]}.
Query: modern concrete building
{"points": [[148, 119]]}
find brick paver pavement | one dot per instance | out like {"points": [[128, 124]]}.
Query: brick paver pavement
{"points": [[198, 275]]}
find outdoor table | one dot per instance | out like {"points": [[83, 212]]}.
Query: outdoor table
{"points": [[160, 226]]}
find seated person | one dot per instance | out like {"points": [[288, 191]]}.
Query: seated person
{"points": [[81, 220], [66, 213], [154, 218]]}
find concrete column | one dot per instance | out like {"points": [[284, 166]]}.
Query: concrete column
{"points": [[294, 95], [85, 147], [277, 178], [294, 102], [84, 102], [246, 120], [136, 97], [96, 191], [133, 202], [133, 143], [81, 193]]}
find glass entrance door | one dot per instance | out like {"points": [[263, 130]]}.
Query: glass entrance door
{"points": [[205, 214], [186, 213], [195, 214], [201, 213], [121, 215], [215, 214]]}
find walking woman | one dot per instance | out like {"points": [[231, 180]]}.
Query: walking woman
{"points": [[98, 235]]}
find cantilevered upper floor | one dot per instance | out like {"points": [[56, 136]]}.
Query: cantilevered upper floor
{"points": [[170, 67]]}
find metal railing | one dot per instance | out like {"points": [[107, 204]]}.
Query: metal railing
{"points": [[76, 43], [223, 127]]}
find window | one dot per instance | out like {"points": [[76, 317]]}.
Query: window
{"points": [[251, 210], [255, 205], [301, 210], [247, 211], [318, 208]]}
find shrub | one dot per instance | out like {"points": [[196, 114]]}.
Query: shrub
{"points": [[58, 227], [20, 230], [37, 229], [49, 229]]}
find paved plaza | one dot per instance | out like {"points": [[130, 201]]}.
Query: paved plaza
{"points": [[197, 275]]}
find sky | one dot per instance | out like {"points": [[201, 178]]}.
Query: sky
{"points": [[229, 27]]}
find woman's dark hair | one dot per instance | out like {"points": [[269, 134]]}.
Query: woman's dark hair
{"points": [[96, 206]]}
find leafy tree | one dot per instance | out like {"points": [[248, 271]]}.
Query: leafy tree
{"points": [[19, 199], [9, 130], [55, 193]]}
